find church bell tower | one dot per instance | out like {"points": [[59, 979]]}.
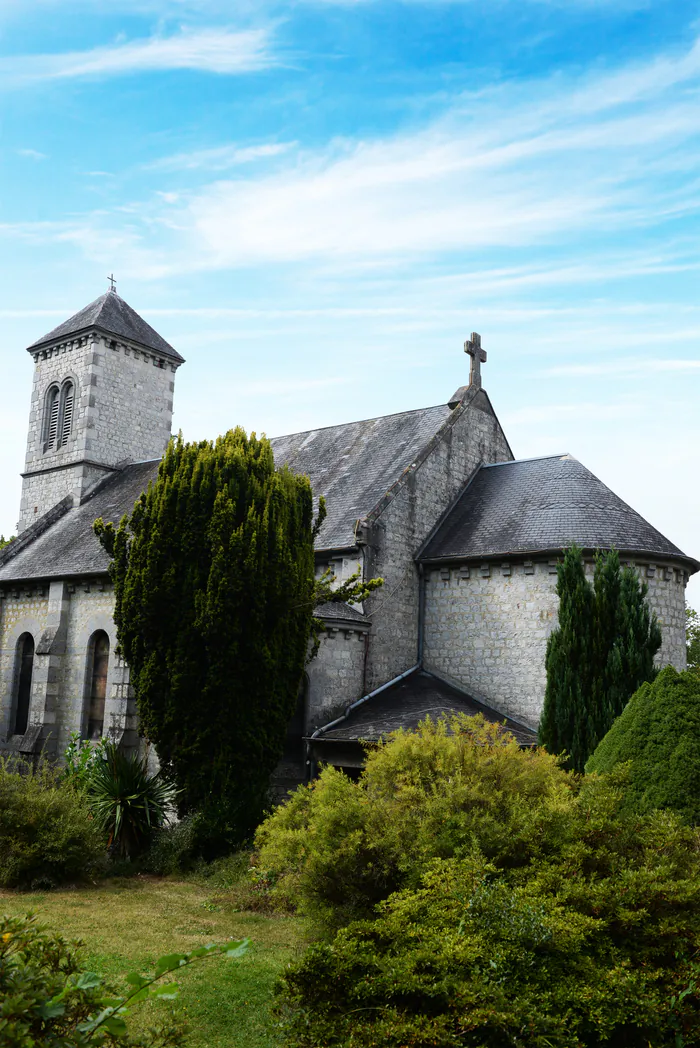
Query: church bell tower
{"points": [[102, 397]]}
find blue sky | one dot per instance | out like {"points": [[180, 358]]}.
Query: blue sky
{"points": [[317, 202]]}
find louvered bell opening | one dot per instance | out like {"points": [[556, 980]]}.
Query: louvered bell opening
{"points": [[67, 420], [52, 420]]}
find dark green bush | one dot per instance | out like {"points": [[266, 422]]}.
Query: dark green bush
{"points": [[47, 834], [174, 848], [658, 733], [339, 847], [530, 908]]}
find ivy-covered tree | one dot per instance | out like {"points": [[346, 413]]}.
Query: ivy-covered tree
{"points": [[601, 652], [214, 596], [4, 541]]}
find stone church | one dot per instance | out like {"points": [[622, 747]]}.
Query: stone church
{"points": [[465, 536]]}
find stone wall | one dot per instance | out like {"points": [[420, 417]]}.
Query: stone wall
{"points": [[22, 610], [666, 597], [487, 624], [472, 436], [62, 618], [122, 412], [336, 674]]}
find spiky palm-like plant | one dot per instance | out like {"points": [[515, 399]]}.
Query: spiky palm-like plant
{"points": [[128, 800]]}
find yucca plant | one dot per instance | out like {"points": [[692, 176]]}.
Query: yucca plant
{"points": [[128, 801]]}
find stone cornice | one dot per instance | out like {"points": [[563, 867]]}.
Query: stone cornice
{"points": [[69, 465], [112, 341]]}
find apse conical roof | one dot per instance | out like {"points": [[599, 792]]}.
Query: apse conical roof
{"points": [[543, 505], [111, 315]]}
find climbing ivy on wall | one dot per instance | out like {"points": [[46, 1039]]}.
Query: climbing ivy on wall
{"points": [[214, 586]]}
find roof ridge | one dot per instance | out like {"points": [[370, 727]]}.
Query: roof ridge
{"points": [[455, 413], [533, 458], [356, 422]]}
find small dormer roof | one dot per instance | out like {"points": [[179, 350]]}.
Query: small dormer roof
{"points": [[111, 315]]}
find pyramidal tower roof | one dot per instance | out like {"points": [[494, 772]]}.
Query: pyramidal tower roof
{"points": [[111, 315]]}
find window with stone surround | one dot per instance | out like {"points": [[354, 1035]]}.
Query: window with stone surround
{"points": [[66, 413], [52, 405], [58, 415], [23, 693], [98, 664]]}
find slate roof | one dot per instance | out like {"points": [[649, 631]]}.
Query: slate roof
{"points": [[411, 701], [113, 316], [542, 505], [354, 465], [339, 611], [69, 547]]}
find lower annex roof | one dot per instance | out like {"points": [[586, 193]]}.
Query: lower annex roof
{"points": [[410, 701]]}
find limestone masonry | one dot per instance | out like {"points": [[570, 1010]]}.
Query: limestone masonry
{"points": [[466, 538]]}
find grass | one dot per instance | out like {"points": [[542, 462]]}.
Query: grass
{"points": [[126, 924]]}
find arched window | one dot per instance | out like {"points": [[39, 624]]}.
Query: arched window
{"points": [[51, 410], [98, 663], [66, 413], [25, 667], [58, 415]]}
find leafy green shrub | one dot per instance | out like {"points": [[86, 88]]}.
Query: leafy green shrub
{"points": [[338, 847], [127, 800], [47, 834], [592, 948], [658, 732], [533, 908], [46, 1001], [80, 757]]}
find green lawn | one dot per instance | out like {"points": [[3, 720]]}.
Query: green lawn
{"points": [[126, 924]]}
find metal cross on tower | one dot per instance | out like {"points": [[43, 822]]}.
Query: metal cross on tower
{"points": [[473, 347], [112, 282]]}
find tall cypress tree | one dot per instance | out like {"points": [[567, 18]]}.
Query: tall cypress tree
{"points": [[602, 651], [638, 638], [567, 724], [214, 588]]}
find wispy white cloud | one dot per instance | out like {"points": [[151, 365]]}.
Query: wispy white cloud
{"points": [[220, 158], [222, 51], [522, 165], [33, 154]]}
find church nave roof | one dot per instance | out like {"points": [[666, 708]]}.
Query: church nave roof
{"points": [[354, 465]]}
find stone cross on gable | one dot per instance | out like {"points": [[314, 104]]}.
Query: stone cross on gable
{"points": [[473, 347]]}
